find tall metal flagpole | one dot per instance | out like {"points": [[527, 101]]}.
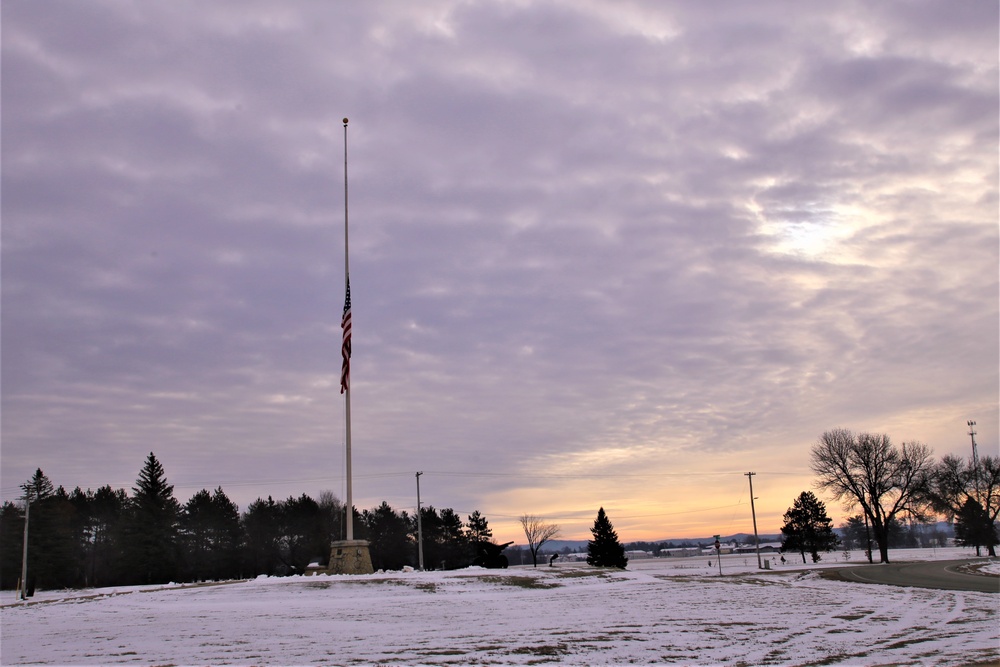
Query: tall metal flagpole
{"points": [[348, 556], [347, 386]]}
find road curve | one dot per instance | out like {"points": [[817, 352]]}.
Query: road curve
{"points": [[939, 574]]}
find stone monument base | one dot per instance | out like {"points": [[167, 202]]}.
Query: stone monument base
{"points": [[350, 557]]}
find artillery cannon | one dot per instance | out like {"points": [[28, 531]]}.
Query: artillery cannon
{"points": [[490, 555]]}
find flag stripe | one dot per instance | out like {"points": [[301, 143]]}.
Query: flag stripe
{"points": [[345, 347]]}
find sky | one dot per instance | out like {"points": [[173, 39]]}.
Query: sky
{"points": [[601, 255]]}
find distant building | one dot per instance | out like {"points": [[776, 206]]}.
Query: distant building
{"points": [[726, 548], [765, 548]]}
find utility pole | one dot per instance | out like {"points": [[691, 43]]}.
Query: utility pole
{"points": [[753, 512], [24, 555], [975, 457], [420, 529]]}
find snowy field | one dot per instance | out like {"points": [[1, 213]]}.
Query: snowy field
{"points": [[675, 611]]}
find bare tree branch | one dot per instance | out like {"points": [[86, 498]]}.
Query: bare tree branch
{"points": [[867, 471], [537, 532]]}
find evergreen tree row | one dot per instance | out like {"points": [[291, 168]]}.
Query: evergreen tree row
{"points": [[111, 538]]}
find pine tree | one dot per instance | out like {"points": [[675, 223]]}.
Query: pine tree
{"points": [[305, 533], [55, 535], [60, 533], [605, 550], [108, 513], [478, 528], [854, 533], [228, 535], [39, 487], [388, 539], [261, 526], [973, 527], [808, 528], [11, 544], [455, 549], [152, 550], [195, 536]]}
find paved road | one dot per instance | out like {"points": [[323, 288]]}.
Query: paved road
{"points": [[940, 574]]}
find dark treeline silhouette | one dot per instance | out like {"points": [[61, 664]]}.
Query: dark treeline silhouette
{"points": [[110, 537], [854, 535], [851, 534]]}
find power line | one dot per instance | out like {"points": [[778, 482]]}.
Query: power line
{"points": [[529, 475], [580, 514]]}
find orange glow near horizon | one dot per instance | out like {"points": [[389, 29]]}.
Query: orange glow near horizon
{"points": [[661, 503], [657, 527], [724, 512]]}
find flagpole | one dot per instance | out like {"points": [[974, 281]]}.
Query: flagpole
{"points": [[348, 556], [347, 391]]}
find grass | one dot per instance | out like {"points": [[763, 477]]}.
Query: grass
{"points": [[580, 573], [321, 585], [545, 649], [907, 642], [517, 581], [852, 617], [835, 658], [443, 651]]}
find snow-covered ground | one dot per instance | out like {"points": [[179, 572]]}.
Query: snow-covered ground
{"points": [[658, 611]]}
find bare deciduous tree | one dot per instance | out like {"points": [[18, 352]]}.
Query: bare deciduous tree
{"points": [[866, 470], [537, 532], [988, 490], [332, 509]]}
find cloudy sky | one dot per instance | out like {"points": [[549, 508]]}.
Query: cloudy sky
{"points": [[602, 254]]}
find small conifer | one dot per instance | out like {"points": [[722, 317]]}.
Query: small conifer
{"points": [[605, 550], [808, 528]]}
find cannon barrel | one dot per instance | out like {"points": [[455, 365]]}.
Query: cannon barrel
{"points": [[493, 549], [491, 555]]}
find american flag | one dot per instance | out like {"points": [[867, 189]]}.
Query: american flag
{"points": [[345, 348]]}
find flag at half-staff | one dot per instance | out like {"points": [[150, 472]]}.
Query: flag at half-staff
{"points": [[345, 347], [347, 556]]}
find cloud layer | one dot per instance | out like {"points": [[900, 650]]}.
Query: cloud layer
{"points": [[599, 255]]}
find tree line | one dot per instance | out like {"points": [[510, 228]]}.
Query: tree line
{"points": [[109, 537], [851, 533]]}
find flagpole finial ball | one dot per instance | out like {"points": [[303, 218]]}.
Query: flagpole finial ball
{"points": [[345, 121]]}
